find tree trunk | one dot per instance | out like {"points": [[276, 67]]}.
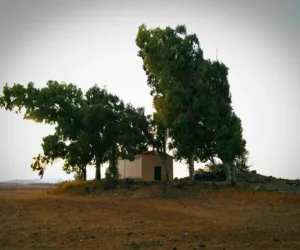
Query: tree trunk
{"points": [[166, 167], [228, 172], [167, 177], [114, 164], [98, 170], [233, 178], [84, 173], [191, 167], [213, 161]]}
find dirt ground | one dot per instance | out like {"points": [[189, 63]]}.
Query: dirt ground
{"points": [[31, 218]]}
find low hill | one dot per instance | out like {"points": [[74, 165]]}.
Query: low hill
{"points": [[32, 181]]}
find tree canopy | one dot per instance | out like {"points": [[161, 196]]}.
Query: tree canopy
{"points": [[193, 117], [191, 96], [93, 128]]}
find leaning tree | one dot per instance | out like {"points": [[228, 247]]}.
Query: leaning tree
{"points": [[191, 96]]}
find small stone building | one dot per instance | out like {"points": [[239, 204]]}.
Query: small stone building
{"points": [[147, 167]]}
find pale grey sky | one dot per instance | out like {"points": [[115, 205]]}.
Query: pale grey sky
{"points": [[88, 42]]}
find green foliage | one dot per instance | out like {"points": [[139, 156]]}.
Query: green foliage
{"points": [[133, 132], [269, 179], [172, 61], [191, 96], [89, 129], [241, 164], [211, 172], [39, 164], [193, 113], [109, 184], [217, 171], [127, 183], [112, 172], [48, 104], [79, 176]]}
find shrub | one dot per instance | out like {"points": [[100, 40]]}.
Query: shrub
{"points": [[109, 184], [126, 183], [211, 173], [179, 186], [269, 179], [87, 190], [210, 176]]}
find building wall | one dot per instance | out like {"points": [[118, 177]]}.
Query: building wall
{"points": [[121, 168], [130, 169], [148, 164]]}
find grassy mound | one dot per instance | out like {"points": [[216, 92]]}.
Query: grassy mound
{"points": [[176, 188], [131, 187], [75, 187], [96, 187]]}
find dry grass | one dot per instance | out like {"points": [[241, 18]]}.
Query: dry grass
{"points": [[70, 186], [256, 197], [224, 219]]}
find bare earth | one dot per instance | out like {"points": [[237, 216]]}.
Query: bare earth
{"points": [[32, 219]]}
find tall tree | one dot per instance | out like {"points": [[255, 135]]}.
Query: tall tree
{"points": [[173, 62], [231, 145], [194, 95], [115, 128], [224, 127]]}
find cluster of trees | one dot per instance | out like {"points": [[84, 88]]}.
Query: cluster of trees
{"points": [[90, 129], [192, 99], [193, 112]]}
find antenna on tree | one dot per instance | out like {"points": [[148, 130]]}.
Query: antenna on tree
{"points": [[217, 55]]}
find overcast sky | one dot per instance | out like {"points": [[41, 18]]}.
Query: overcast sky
{"points": [[88, 42]]}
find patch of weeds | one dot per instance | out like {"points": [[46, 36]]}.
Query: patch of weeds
{"points": [[92, 187], [68, 186], [97, 185], [269, 179], [87, 190], [127, 183], [136, 245], [187, 183]]}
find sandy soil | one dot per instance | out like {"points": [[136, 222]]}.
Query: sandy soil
{"points": [[32, 219]]}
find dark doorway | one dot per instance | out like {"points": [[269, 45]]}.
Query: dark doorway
{"points": [[157, 173]]}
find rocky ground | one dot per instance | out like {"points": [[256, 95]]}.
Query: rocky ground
{"points": [[257, 182]]}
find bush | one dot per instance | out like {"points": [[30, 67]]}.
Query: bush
{"points": [[87, 190], [269, 179], [109, 184], [210, 176], [126, 183], [179, 186], [211, 173]]}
